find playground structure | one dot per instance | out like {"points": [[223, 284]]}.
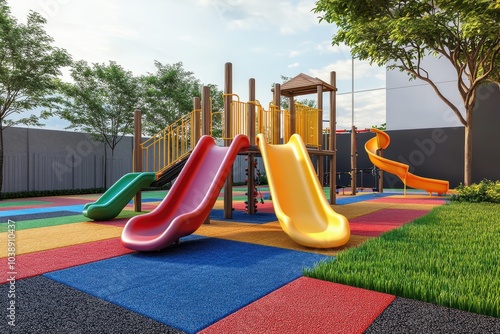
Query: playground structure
{"points": [[169, 149], [352, 174], [187, 152], [380, 142], [205, 166]]}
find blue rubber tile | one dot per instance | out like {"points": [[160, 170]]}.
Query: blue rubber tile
{"points": [[360, 198], [192, 285], [240, 216], [54, 214], [33, 211]]}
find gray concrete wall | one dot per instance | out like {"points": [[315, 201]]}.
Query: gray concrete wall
{"points": [[438, 152], [39, 159]]}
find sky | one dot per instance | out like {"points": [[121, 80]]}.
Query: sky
{"points": [[263, 40]]}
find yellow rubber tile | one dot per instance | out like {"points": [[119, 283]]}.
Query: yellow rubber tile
{"points": [[354, 210], [43, 238], [269, 234]]}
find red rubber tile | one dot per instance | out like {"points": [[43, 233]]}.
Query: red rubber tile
{"points": [[409, 200], [371, 230], [32, 264], [378, 222], [390, 216], [307, 305]]}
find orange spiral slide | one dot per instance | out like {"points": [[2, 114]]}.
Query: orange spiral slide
{"points": [[380, 142]]}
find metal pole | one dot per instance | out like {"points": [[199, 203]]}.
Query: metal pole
{"points": [[333, 139], [228, 185], [251, 157], [137, 154], [353, 136]]}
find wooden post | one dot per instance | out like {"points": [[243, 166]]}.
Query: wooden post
{"points": [[205, 120], [228, 185], [196, 131], [333, 139], [251, 157], [381, 175], [137, 154], [319, 130], [354, 153], [206, 117], [276, 119], [292, 125]]}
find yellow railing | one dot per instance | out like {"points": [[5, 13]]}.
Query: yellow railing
{"points": [[217, 124], [306, 124], [170, 144], [178, 139], [269, 123], [239, 118], [266, 121]]}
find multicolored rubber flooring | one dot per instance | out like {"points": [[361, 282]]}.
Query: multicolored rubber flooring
{"points": [[239, 275]]}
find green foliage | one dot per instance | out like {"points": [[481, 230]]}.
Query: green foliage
{"points": [[100, 101], [401, 34], [168, 95], [449, 257], [29, 65], [485, 191], [382, 126]]}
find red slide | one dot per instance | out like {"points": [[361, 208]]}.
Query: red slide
{"points": [[189, 201]]}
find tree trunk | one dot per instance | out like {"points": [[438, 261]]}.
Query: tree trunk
{"points": [[105, 166], [468, 150], [112, 166], [1, 158]]}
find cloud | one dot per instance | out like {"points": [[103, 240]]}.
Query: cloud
{"points": [[371, 76], [369, 109], [287, 17], [326, 47], [263, 39]]}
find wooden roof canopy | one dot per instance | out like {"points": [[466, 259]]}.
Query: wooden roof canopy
{"points": [[304, 84]]}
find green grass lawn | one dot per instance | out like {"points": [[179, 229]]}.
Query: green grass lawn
{"points": [[450, 257]]}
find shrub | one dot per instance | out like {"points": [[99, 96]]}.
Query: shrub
{"points": [[484, 191]]}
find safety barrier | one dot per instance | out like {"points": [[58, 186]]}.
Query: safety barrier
{"points": [[306, 124], [177, 140], [170, 144]]}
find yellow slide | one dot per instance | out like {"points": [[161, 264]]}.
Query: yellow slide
{"points": [[382, 141], [298, 198]]}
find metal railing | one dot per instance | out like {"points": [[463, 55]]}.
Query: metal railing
{"points": [[177, 140], [170, 144], [306, 124]]}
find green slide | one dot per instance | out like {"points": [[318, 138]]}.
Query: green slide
{"points": [[112, 202]]}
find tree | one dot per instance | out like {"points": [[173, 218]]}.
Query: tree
{"points": [[29, 66], [168, 95], [100, 101], [400, 34]]}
